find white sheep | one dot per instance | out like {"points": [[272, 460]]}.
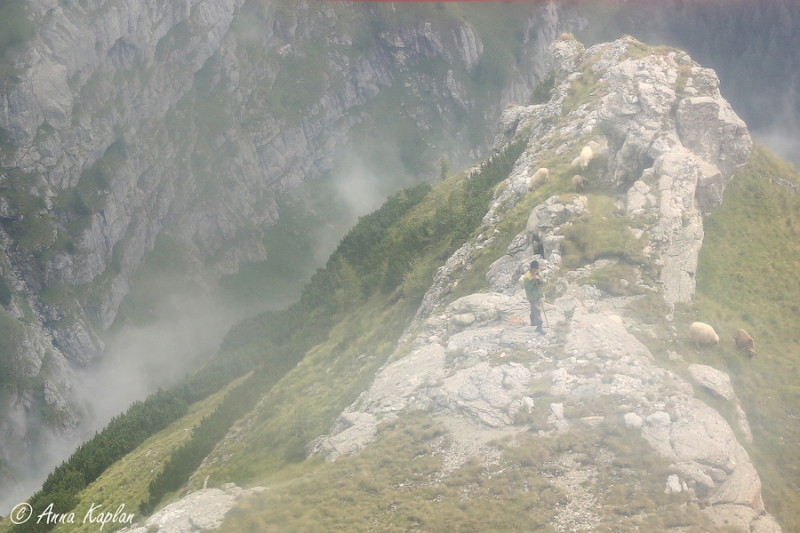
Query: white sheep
{"points": [[702, 333], [585, 157], [579, 182], [538, 179]]}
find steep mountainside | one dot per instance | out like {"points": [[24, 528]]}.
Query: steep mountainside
{"points": [[432, 407], [128, 127], [664, 145]]}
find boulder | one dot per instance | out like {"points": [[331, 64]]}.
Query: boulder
{"points": [[714, 380], [633, 421], [199, 511]]}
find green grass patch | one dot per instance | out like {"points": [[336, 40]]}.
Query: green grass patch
{"points": [[5, 292], [127, 480], [391, 486], [746, 278], [541, 94], [300, 82], [94, 182], [32, 227], [581, 89], [7, 148], [639, 50], [59, 294], [616, 280], [43, 131], [598, 234], [76, 205], [396, 484]]}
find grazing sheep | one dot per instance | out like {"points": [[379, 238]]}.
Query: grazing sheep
{"points": [[585, 157], [538, 179], [745, 341], [702, 333], [579, 182]]}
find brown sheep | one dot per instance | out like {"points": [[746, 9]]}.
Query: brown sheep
{"points": [[745, 341], [579, 182]]}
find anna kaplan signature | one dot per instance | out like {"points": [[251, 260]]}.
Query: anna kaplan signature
{"points": [[23, 512]]}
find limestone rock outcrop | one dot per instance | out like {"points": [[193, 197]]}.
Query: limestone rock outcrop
{"points": [[714, 380], [199, 511], [668, 144]]}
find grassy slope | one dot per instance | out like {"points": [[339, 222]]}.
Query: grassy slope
{"points": [[381, 487], [126, 482], [397, 484], [750, 243], [353, 491], [748, 278], [307, 401]]}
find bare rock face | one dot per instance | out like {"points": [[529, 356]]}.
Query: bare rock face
{"points": [[199, 511], [715, 380], [669, 145], [712, 131], [560, 57], [79, 344], [125, 91]]}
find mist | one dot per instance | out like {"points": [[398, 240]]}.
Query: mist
{"points": [[782, 134], [139, 359], [749, 44], [185, 329]]}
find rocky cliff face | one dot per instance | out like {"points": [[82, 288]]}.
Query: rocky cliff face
{"points": [[665, 144], [125, 120]]}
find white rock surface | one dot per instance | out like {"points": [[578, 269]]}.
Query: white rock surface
{"points": [[199, 511], [714, 380]]}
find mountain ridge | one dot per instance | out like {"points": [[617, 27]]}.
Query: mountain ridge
{"points": [[582, 440], [470, 362]]}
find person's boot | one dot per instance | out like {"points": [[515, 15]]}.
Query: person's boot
{"points": [[539, 329]]}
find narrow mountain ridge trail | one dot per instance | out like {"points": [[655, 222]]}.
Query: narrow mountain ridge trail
{"points": [[583, 420], [665, 163]]}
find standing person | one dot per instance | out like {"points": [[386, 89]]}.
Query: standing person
{"points": [[533, 291]]}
